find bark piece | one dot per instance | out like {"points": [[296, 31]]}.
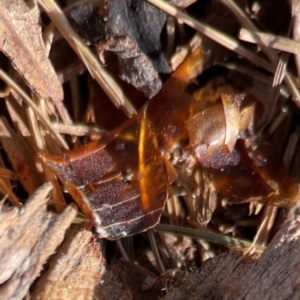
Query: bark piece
{"points": [[274, 275], [21, 41], [133, 34], [135, 27], [78, 271], [29, 237], [88, 22]]}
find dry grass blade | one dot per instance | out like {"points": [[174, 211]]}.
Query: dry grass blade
{"points": [[254, 74], [217, 36], [77, 130], [280, 70], [246, 22], [7, 174], [21, 41], [182, 3], [159, 262], [11, 196], [270, 40], [122, 250], [88, 58], [209, 237], [17, 113], [36, 110], [295, 8]]}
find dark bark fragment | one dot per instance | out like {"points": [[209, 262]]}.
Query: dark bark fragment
{"points": [[133, 34]]}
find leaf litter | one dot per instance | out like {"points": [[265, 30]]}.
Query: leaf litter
{"points": [[223, 140]]}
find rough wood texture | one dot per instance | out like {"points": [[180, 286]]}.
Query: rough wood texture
{"points": [[22, 42], [28, 237], [274, 275], [78, 271]]}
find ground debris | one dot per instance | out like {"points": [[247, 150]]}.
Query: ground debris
{"points": [[21, 41], [233, 276], [133, 33], [29, 236], [78, 271]]}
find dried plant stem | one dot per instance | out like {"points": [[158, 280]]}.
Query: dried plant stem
{"points": [[107, 83], [214, 34], [270, 40], [159, 262], [7, 174], [246, 22], [226, 41], [78, 129], [295, 9], [253, 73], [264, 230], [209, 237], [35, 129], [8, 191], [36, 110], [122, 250]]}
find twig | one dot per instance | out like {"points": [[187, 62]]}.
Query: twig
{"points": [[107, 83], [270, 40], [214, 34]]}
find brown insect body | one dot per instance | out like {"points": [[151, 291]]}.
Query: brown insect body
{"points": [[122, 181], [125, 181]]}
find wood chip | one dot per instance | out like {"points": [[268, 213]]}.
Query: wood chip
{"points": [[30, 236], [78, 271]]}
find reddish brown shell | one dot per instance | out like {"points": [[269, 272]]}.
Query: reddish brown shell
{"points": [[124, 182]]}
